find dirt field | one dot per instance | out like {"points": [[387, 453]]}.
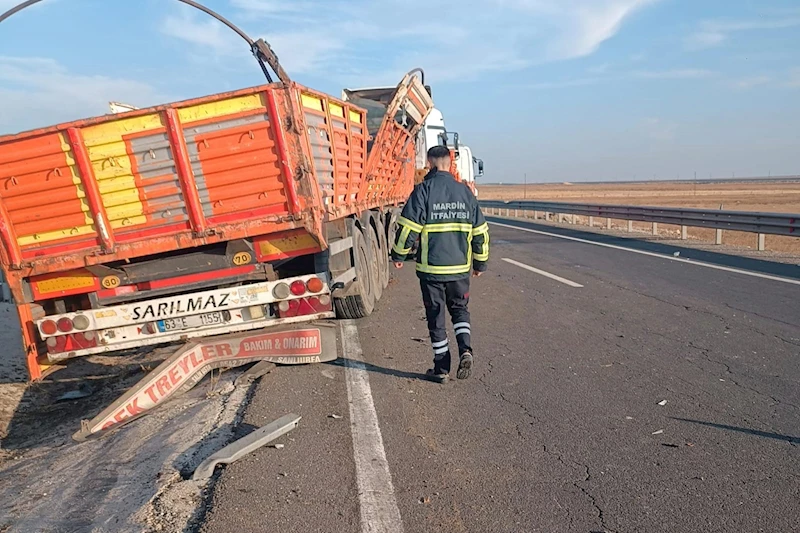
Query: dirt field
{"points": [[743, 196]]}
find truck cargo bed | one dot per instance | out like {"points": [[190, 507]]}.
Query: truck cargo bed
{"points": [[233, 165]]}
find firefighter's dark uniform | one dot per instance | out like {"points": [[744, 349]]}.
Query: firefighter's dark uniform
{"points": [[453, 240]]}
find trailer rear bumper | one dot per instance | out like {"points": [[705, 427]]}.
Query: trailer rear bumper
{"points": [[186, 316]]}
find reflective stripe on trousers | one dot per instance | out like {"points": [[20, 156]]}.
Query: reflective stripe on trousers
{"points": [[439, 298]]}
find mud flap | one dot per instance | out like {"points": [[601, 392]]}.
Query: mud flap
{"points": [[184, 369]]}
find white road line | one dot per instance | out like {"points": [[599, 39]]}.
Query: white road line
{"points": [[379, 511], [543, 273], [653, 254]]}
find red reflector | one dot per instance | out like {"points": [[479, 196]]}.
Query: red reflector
{"points": [[64, 325], [321, 303], [49, 327], [298, 288]]}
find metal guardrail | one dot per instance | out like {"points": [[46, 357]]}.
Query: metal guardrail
{"points": [[786, 224]]}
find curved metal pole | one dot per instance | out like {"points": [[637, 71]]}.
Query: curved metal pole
{"points": [[261, 50]]}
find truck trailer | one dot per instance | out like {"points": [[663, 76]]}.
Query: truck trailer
{"points": [[267, 206]]}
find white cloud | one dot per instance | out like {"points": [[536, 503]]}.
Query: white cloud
{"points": [[580, 82], [659, 129], [675, 74], [477, 38], [715, 32], [705, 39], [599, 69], [36, 92], [794, 79], [751, 82]]}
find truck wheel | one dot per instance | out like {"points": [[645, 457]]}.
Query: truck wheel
{"points": [[375, 262], [383, 259], [359, 305]]}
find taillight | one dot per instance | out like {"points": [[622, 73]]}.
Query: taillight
{"points": [[48, 327], [81, 322], [64, 325], [320, 303], [283, 306], [298, 288], [281, 291], [315, 285]]}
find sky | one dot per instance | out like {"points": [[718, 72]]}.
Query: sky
{"points": [[542, 90]]}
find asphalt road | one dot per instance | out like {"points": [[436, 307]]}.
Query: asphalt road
{"points": [[659, 396]]}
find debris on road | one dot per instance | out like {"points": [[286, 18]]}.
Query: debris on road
{"points": [[238, 449], [77, 394], [335, 417], [659, 432], [662, 403], [187, 366], [278, 446]]}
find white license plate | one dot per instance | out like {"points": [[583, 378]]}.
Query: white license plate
{"points": [[194, 321]]}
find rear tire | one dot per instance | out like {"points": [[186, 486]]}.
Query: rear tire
{"points": [[383, 245], [359, 305], [374, 263]]}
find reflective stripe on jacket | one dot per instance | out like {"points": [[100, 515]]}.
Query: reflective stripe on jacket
{"points": [[453, 235]]}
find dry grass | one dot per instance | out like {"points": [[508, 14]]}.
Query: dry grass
{"points": [[743, 196]]}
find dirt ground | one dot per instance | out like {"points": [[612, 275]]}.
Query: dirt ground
{"points": [[741, 196], [132, 480]]}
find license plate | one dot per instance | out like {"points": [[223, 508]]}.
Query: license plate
{"points": [[194, 321]]}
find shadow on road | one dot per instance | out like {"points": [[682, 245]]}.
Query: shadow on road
{"points": [[732, 261], [343, 361], [754, 432]]}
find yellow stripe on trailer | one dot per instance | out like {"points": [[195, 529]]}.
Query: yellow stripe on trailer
{"points": [[356, 117], [285, 245], [221, 108], [113, 168], [312, 102], [336, 110], [65, 283]]}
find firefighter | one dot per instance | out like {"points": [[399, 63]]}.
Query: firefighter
{"points": [[453, 240]]}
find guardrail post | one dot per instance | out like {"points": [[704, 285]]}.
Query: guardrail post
{"points": [[762, 242], [630, 226], [591, 222], [535, 214], [516, 213], [561, 218], [718, 237], [655, 228], [608, 223], [684, 233]]}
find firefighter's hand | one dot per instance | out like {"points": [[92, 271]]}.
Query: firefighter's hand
{"points": [[476, 274], [398, 265]]}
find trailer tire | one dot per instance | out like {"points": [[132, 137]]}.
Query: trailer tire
{"points": [[359, 305], [375, 263], [383, 258]]}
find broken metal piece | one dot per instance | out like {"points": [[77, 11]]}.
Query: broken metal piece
{"points": [[238, 449], [256, 371], [183, 370]]}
